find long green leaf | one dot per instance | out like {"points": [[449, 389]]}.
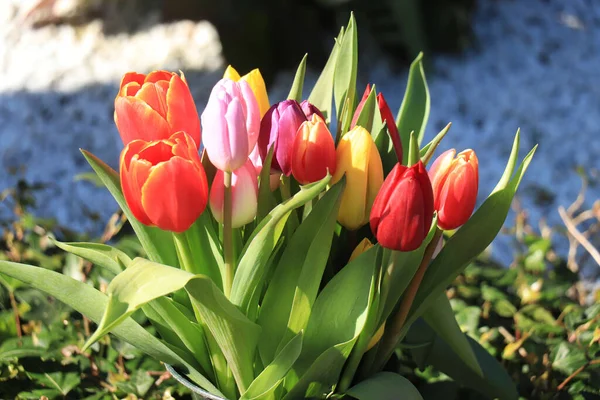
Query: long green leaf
{"points": [[270, 378], [414, 111], [91, 303], [440, 318], [298, 84], [251, 270], [157, 243], [346, 68], [205, 249], [337, 320], [101, 255], [385, 386], [317, 382], [322, 93], [294, 286], [398, 272], [145, 281], [494, 382]]}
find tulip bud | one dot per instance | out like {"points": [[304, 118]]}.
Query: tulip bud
{"points": [[278, 128], [257, 84], [363, 246], [386, 116], [455, 183], [155, 106], [244, 195], [233, 120], [357, 157], [163, 182], [403, 210], [313, 152], [310, 109]]}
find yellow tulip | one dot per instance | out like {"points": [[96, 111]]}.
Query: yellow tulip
{"points": [[363, 246], [357, 158], [256, 83]]}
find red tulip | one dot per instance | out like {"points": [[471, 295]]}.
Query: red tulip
{"points": [[386, 116], [163, 182], [455, 183], [155, 106], [313, 152], [403, 210]]}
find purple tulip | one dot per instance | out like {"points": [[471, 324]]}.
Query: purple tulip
{"points": [[278, 128]]}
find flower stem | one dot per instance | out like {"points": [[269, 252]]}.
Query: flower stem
{"points": [[227, 235], [393, 333], [184, 254]]}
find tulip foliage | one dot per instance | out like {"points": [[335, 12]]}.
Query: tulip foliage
{"points": [[289, 249]]}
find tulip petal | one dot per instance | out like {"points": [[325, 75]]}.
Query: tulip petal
{"points": [[132, 77], [231, 73], [155, 95], [156, 76], [237, 135], [182, 114], [257, 84], [137, 120], [130, 89], [175, 194], [252, 114], [133, 174]]}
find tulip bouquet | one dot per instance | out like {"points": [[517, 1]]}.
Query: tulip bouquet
{"points": [[292, 250]]}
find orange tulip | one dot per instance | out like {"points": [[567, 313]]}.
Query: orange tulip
{"points": [[455, 182], [155, 106], [313, 151], [163, 182]]}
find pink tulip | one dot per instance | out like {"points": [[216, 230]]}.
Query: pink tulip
{"points": [[231, 121], [244, 195]]}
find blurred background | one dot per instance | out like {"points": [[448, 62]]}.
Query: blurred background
{"points": [[492, 66]]}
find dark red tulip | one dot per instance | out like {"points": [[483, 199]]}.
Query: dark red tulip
{"points": [[403, 210]]}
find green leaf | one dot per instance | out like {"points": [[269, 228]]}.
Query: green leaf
{"points": [[468, 242], [319, 380], [292, 291], [322, 93], [101, 255], [346, 68], [90, 302], [62, 382], [568, 357], [495, 383], [205, 249], [441, 319], [145, 280], [157, 243], [298, 84], [251, 270], [398, 272], [270, 378], [190, 333], [429, 149], [385, 386], [336, 321], [414, 111], [510, 166]]}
